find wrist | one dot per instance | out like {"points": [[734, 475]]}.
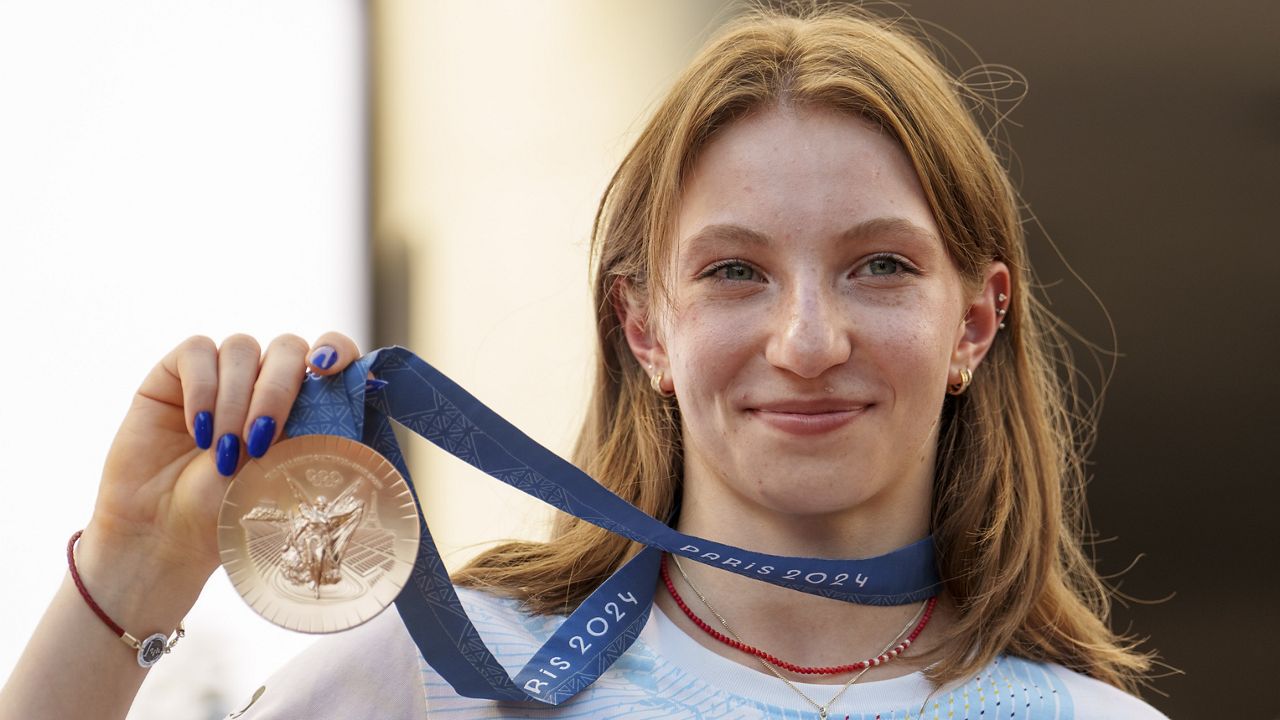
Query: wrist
{"points": [[140, 586]]}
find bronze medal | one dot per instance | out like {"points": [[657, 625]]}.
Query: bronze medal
{"points": [[318, 535]]}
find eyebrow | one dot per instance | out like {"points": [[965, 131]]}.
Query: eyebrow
{"points": [[729, 232]]}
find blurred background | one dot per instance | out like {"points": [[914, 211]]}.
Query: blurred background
{"points": [[425, 174]]}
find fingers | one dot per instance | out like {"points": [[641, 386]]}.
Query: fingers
{"points": [[232, 391], [196, 365], [332, 353], [237, 371], [188, 378], [277, 386]]}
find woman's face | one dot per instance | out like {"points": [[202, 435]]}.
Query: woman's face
{"points": [[815, 320]]}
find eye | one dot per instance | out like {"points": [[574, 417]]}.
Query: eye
{"points": [[883, 266], [887, 266], [731, 271]]}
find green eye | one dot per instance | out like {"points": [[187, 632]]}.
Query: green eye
{"points": [[884, 266], [734, 271]]}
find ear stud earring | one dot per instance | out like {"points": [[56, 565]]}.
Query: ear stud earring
{"points": [[966, 377], [1001, 298], [655, 382]]}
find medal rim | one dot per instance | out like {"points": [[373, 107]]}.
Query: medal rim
{"points": [[233, 562]]}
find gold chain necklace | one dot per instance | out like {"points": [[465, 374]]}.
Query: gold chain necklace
{"points": [[822, 709]]}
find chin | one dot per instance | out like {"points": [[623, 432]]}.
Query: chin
{"points": [[814, 496]]}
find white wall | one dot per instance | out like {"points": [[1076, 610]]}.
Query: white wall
{"points": [[166, 169]]}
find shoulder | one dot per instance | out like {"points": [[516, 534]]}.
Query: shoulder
{"points": [[498, 614], [1092, 698], [368, 671], [375, 670]]}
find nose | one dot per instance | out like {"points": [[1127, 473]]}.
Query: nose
{"points": [[811, 335]]}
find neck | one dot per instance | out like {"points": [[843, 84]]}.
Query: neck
{"points": [[797, 627]]}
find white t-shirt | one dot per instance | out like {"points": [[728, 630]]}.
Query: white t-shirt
{"points": [[376, 671]]}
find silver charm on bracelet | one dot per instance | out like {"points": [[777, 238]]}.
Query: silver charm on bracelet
{"points": [[154, 647]]}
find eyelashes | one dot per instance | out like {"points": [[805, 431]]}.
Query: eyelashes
{"points": [[888, 260], [734, 270], [879, 265]]}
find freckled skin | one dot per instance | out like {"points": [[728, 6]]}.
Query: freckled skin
{"points": [[807, 315]]}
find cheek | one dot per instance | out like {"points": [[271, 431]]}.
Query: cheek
{"points": [[914, 349], [707, 353]]}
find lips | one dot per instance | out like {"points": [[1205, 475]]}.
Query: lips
{"points": [[809, 417]]}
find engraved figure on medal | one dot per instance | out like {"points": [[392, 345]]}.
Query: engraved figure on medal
{"points": [[319, 534], [321, 530]]}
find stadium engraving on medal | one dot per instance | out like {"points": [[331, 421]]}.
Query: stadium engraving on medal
{"points": [[318, 535]]}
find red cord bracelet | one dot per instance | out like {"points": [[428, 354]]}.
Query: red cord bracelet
{"points": [[151, 649]]}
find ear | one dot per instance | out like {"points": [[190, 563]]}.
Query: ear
{"points": [[631, 306], [982, 320]]}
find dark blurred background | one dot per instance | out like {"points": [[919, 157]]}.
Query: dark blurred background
{"points": [[1147, 145]]}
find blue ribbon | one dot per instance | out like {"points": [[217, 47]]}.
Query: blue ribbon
{"points": [[421, 398]]}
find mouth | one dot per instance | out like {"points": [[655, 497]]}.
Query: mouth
{"points": [[808, 420]]}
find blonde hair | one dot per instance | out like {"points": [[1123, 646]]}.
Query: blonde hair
{"points": [[1008, 518]]}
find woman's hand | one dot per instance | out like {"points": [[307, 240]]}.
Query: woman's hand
{"points": [[152, 541], [200, 414]]}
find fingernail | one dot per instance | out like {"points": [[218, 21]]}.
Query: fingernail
{"points": [[228, 454], [260, 434], [374, 385], [324, 357], [204, 429]]}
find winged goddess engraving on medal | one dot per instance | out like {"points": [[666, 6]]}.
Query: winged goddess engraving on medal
{"points": [[318, 537], [317, 534]]}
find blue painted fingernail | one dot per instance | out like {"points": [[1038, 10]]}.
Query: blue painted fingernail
{"points": [[374, 385], [204, 429], [324, 357], [228, 454], [260, 434]]}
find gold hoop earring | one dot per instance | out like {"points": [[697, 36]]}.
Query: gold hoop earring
{"points": [[966, 377], [655, 382]]}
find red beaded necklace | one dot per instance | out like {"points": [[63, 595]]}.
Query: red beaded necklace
{"points": [[880, 659]]}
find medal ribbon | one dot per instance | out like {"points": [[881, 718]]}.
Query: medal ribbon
{"points": [[421, 398]]}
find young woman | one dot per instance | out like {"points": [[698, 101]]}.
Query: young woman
{"points": [[817, 339]]}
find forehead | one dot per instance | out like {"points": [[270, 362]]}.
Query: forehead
{"points": [[800, 174]]}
